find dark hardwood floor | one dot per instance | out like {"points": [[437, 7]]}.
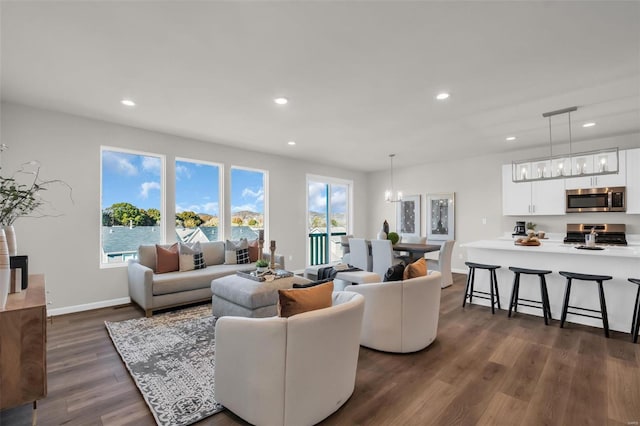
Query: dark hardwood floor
{"points": [[482, 369]]}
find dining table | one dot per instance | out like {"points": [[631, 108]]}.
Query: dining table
{"points": [[415, 249]]}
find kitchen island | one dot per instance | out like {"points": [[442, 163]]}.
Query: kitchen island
{"points": [[621, 262]]}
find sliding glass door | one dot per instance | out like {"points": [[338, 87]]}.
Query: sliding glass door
{"points": [[328, 211]]}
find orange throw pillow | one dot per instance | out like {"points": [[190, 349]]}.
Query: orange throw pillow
{"points": [[415, 269], [298, 300], [167, 259], [254, 253]]}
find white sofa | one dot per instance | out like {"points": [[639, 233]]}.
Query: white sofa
{"points": [[153, 291], [400, 316], [289, 371]]}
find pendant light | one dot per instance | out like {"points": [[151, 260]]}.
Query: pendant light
{"points": [[389, 195], [588, 163]]}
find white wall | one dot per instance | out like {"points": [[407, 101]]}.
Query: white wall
{"points": [[67, 248], [477, 183]]}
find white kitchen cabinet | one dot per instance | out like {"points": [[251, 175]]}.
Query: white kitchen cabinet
{"points": [[633, 181], [531, 198], [594, 163]]}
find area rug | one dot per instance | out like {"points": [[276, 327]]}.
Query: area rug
{"points": [[171, 359]]}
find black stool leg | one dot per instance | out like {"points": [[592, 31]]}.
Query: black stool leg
{"points": [[493, 310], [466, 289], [635, 322], [545, 299], [565, 304], [514, 292], [473, 280], [495, 283], [603, 308], [545, 312]]}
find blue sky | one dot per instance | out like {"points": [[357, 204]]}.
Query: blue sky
{"points": [[318, 197], [135, 179]]}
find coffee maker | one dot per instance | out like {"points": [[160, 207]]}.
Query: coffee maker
{"points": [[519, 229]]}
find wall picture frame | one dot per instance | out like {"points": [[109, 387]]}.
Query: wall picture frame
{"points": [[441, 216], [408, 216]]}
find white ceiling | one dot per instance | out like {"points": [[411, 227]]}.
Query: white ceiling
{"points": [[361, 76]]}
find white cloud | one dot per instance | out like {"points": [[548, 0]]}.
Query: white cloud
{"points": [[151, 164], [145, 187], [317, 197], [257, 195], [208, 208], [119, 163], [182, 171]]}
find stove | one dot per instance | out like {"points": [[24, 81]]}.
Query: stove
{"points": [[608, 234]]}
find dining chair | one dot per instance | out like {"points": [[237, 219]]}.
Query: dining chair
{"points": [[443, 263], [382, 256], [359, 250]]}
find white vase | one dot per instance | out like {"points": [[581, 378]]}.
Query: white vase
{"points": [[5, 270], [382, 235], [12, 244]]}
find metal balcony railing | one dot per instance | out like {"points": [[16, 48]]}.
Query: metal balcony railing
{"points": [[319, 249]]}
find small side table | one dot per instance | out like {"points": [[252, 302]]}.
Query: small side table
{"points": [[22, 263]]}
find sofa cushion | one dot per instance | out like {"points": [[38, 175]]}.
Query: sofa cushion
{"points": [[416, 269], [242, 256], [191, 257], [213, 252], [394, 273], [254, 251], [231, 249], [299, 300], [174, 282], [167, 259]]}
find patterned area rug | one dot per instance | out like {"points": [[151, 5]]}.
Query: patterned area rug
{"points": [[171, 358]]}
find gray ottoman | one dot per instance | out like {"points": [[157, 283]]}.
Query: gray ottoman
{"points": [[241, 297]]}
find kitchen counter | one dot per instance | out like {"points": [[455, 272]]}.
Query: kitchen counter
{"points": [[621, 262]]}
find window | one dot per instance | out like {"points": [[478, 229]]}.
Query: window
{"points": [[247, 202], [197, 201], [131, 203], [328, 210]]}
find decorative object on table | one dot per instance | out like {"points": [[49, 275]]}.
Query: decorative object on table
{"points": [[393, 237], [272, 248], [262, 265], [5, 270], [408, 216], [531, 227], [441, 216], [382, 235], [530, 240], [20, 195], [171, 358], [21, 263], [385, 226], [260, 242]]}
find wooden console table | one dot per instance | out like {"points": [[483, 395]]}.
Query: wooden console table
{"points": [[23, 349]]}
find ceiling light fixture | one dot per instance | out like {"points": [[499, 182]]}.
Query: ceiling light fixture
{"points": [[442, 96], [591, 124], [291, 143], [589, 163], [128, 102], [281, 101], [389, 196], [510, 138]]}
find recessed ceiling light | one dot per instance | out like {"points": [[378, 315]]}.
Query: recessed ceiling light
{"points": [[591, 124], [128, 102], [510, 138], [291, 143], [442, 96], [281, 101]]}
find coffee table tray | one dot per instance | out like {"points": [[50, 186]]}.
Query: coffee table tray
{"points": [[253, 275]]}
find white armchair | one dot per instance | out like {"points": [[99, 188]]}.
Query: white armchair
{"points": [[400, 316], [289, 371], [443, 263]]}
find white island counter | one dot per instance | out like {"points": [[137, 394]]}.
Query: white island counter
{"points": [[619, 262]]}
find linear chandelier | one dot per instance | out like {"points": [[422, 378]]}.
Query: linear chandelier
{"points": [[587, 163], [389, 196]]}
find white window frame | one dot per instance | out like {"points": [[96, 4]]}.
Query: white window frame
{"points": [[163, 235]]}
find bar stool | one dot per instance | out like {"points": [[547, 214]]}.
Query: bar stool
{"points": [[603, 305], [544, 295], [493, 285], [635, 322]]}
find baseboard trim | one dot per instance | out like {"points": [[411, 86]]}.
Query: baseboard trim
{"points": [[459, 271], [88, 306]]}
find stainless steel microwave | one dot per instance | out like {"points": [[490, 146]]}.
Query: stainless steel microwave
{"points": [[596, 200]]}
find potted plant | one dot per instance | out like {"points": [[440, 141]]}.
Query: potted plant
{"points": [[262, 265], [394, 237], [531, 228]]}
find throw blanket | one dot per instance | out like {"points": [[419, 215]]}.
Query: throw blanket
{"points": [[329, 272]]}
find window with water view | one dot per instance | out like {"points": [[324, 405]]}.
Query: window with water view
{"points": [[247, 203]]}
